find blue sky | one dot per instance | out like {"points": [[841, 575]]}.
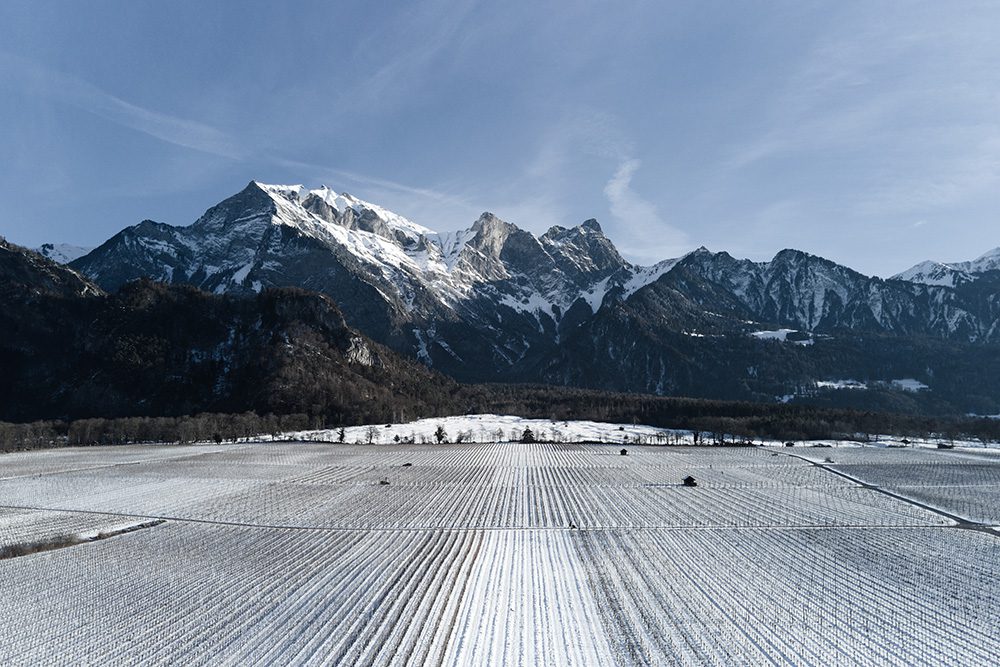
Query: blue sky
{"points": [[866, 132]]}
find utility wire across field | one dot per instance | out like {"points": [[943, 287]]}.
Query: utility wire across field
{"points": [[960, 521]]}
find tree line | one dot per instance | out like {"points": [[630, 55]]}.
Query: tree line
{"points": [[729, 420], [717, 422], [205, 427]]}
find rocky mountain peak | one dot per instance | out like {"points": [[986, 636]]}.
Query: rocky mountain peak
{"points": [[290, 192], [583, 249], [255, 201], [951, 274], [790, 255], [798, 260], [491, 233]]}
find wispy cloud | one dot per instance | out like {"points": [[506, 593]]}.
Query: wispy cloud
{"points": [[539, 197], [413, 43], [649, 237], [35, 79], [577, 147], [910, 103]]}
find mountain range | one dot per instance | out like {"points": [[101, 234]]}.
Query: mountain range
{"points": [[497, 303]]}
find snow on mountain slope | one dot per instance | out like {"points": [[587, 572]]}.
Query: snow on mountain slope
{"points": [[490, 428], [344, 201], [25, 274], [493, 286], [989, 261], [627, 282], [528, 274], [63, 253], [497, 303], [934, 273], [644, 275], [794, 287], [951, 274]]}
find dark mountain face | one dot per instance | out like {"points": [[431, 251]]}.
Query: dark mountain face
{"points": [[26, 275], [806, 292], [497, 303], [67, 349], [712, 327], [625, 348]]}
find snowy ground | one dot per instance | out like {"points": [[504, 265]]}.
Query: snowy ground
{"points": [[502, 553], [485, 428], [781, 335], [502, 428]]}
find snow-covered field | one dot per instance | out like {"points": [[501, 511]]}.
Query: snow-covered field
{"points": [[500, 553], [493, 428]]}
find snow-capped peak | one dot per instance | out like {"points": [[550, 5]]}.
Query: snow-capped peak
{"points": [[333, 199], [342, 202], [989, 261], [235, 246], [933, 273], [293, 192], [951, 274]]}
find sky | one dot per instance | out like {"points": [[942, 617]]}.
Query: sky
{"points": [[867, 132]]}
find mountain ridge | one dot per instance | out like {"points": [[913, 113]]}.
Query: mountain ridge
{"points": [[495, 302], [950, 274]]}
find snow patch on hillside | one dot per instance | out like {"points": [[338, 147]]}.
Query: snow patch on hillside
{"points": [[781, 335], [646, 275], [909, 384], [63, 253], [841, 384]]}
